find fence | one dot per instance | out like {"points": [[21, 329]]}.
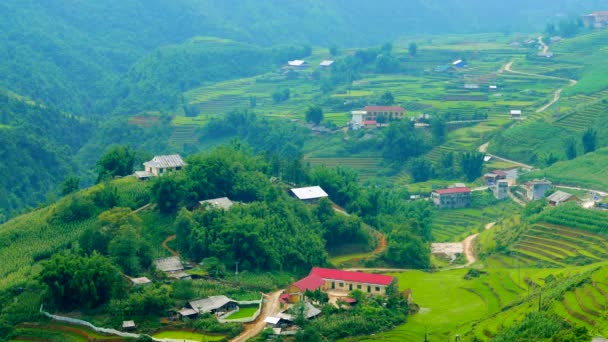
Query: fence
{"points": [[223, 319]]}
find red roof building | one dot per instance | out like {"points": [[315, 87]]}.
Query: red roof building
{"points": [[389, 113], [310, 283], [383, 109], [457, 197], [359, 277]]}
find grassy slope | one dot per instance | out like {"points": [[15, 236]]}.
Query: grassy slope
{"points": [[587, 171]]}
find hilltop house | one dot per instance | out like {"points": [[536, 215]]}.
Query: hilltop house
{"points": [[297, 63], [596, 19], [311, 194], [560, 197], [536, 189], [500, 189], [326, 63], [369, 116], [457, 197], [515, 113], [172, 267], [159, 165], [338, 282]]}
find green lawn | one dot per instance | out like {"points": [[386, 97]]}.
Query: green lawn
{"points": [[244, 312], [187, 335]]}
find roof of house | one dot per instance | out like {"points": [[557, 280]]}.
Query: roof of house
{"points": [[310, 192], [222, 203], [311, 312], [128, 324], [173, 160], [348, 300], [383, 109], [456, 62], [311, 283], [370, 122], [143, 174], [360, 277], [296, 62], [453, 191], [209, 304], [515, 112], [187, 312], [559, 196], [272, 320], [284, 297], [169, 264], [326, 62], [140, 281], [499, 173]]}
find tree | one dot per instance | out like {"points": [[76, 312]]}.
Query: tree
{"points": [[571, 151], [117, 161], [381, 118], [387, 99], [70, 184], [314, 114], [80, 282], [168, 192], [472, 164], [281, 95], [589, 140], [550, 30], [333, 50], [413, 49], [421, 169], [439, 129]]}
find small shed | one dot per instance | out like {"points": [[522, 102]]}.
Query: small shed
{"points": [[128, 325], [218, 203], [311, 194], [326, 63], [298, 63], [560, 197], [143, 175], [515, 113], [170, 264], [140, 281], [213, 304]]}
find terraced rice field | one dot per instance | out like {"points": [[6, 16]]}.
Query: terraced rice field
{"points": [[365, 166], [454, 225], [582, 118], [59, 332], [549, 245]]}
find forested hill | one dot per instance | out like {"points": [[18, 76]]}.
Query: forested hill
{"points": [[73, 53]]}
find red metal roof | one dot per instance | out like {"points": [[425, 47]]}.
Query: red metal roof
{"points": [[284, 297], [452, 191], [311, 283], [360, 277], [499, 173], [369, 122], [384, 109]]}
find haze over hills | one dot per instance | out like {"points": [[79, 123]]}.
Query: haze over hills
{"points": [[457, 147]]}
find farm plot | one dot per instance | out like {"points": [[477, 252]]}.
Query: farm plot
{"points": [[366, 166]]}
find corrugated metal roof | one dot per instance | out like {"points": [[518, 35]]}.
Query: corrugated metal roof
{"points": [[326, 63], [383, 109], [360, 277], [559, 196], [310, 192], [173, 160], [209, 304], [296, 62], [222, 203], [169, 264], [452, 191]]}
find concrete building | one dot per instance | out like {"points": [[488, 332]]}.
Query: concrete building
{"points": [[357, 118], [596, 19], [536, 189], [501, 189], [457, 197], [340, 281], [159, 165]]}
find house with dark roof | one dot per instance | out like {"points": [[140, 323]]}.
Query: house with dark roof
{"points": [[217, 305], [457, 197], [159, 165], [339, 282]]}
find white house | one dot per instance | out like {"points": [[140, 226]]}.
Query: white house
{"points": [[357, 118], [515, 114], [309, 194], [298, 63], [161, 164], [326, 63]]}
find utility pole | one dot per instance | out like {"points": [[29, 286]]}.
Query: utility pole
{"points": [[236, 271]]}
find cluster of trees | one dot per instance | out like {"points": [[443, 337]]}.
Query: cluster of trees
{"points": [[469, 166], [565, 27]]}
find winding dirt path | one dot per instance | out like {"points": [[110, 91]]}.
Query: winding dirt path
{"points": [[165, 246], [468, 244], [269, 308]]}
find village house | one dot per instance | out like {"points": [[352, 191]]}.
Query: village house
{"points": [[326, 63], [140, 281], [560, 197], [128, 325], [159, 165], [297, 63], [459, 63], [596, 19], [216, 305], [370, 115], [172, 267], [311, 194], [536, 189], [493, 177], [337, 282], [515, 114], [357, 119], [500, 189], [217, 203], [457, 197]]}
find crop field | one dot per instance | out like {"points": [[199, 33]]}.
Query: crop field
{"points": [[455, 224], [365, 166], [188, 335], [59, 332], [587, 171], [244, 312]]}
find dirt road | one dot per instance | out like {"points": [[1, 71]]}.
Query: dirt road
{"points": [[271, 307], [165, 246], [468, 244]]}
